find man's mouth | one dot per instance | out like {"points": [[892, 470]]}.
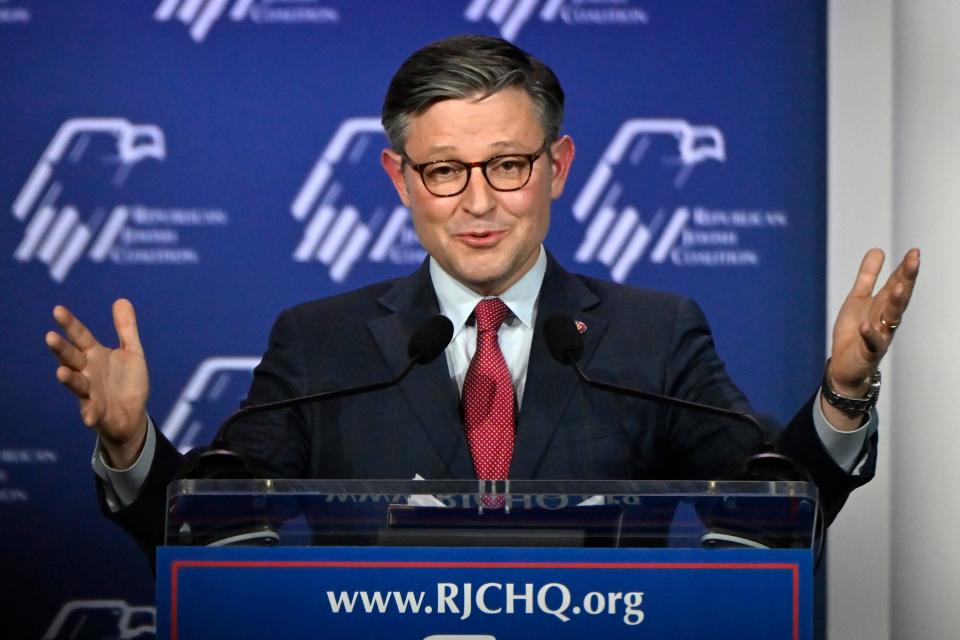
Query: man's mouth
{"points": [[480, 239]]}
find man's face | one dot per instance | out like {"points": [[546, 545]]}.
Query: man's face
{"points": [[484, 238]]}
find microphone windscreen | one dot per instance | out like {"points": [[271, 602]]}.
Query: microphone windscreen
{"points": [[429, 339], [563, 339]]}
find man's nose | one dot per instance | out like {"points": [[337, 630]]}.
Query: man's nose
{"points": [[477, 198]]}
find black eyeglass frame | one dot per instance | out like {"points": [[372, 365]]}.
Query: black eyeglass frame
{"points": [[469, 166]]}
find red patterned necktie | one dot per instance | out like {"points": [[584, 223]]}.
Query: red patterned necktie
{"points": [[488, 396]]}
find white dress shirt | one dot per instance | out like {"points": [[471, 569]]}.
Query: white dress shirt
{"points": [[457, 302]]}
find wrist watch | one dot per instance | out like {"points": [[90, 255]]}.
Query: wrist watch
{"points": [[851, 406]]}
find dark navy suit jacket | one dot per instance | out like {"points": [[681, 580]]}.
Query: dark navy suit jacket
{"points": [[565, 430]]}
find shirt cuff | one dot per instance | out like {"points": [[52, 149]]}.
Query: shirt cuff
{"points": [[845, 447], [122, 486]]}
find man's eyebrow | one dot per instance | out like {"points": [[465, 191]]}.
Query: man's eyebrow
{"points": [[449, 148], [445, 148]]}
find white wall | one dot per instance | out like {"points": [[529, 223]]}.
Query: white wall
{"points": [[895, 183], [860, 216], [926, 441]]}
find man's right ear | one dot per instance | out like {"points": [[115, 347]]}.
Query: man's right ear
{"points": [[393, 164]]}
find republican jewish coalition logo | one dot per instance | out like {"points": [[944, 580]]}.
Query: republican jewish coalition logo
{"points": [[75, 204], [57, 234], [634, 205], [200, 15], [13, 13], [348, 208], [99, 619], [511, 15], [213, 392]]}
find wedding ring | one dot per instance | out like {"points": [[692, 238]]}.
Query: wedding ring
{"points": [[887, 324]]}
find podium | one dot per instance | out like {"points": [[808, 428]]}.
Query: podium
{"points": [[487, 560]]}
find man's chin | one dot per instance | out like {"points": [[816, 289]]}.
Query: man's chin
{"points": [[485, 280], [489, 273]]}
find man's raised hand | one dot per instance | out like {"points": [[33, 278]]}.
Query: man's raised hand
{"points": [[867, 321], [111, 385]]}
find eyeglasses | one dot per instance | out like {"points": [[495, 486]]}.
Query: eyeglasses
{"points": [[447, 178]]}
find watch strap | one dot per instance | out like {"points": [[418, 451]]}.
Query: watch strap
{"points": [[851, 406]]}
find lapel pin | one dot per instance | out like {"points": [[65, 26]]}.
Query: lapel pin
{"points": [[581, 326]]}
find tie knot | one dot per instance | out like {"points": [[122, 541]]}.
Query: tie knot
{"points": [[490, 313]]}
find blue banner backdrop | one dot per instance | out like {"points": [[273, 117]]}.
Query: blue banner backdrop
{"points": [[216, 161]]}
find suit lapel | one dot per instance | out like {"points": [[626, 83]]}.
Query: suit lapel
{"points": [[430, 392], [550, 385]]}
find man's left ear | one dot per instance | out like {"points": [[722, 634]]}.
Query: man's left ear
{"points": [[561, 157], [393, 164]]}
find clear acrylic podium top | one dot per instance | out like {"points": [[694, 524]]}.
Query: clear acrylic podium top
{"points": [[469, 513]]}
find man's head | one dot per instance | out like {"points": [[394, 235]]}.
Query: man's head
{"points": [[468, 67], [470, 99]]}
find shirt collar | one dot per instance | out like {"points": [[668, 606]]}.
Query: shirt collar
{"points": [[457, 300]]}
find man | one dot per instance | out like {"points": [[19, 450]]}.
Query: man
{"points": [[476, 154]]}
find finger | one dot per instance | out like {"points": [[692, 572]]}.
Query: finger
{"points": [[867, 275], [89, 414], [125, 321], [874, 340], [76, 332], [892, 310], [910, 265], [907, 273], [900, 289], [66, 353], [908, 269], [75, 381]]}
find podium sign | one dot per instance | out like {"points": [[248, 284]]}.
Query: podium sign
{"points": [[483, 593], [454, 560]]}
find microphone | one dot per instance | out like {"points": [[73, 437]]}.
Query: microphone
{"points": [[566, 346], [427, 342], [563, 339]]}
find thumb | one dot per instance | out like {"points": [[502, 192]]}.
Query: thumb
{"points": [[125, 322]]}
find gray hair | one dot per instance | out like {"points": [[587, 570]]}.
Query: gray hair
{"points": [[468, 67]]}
